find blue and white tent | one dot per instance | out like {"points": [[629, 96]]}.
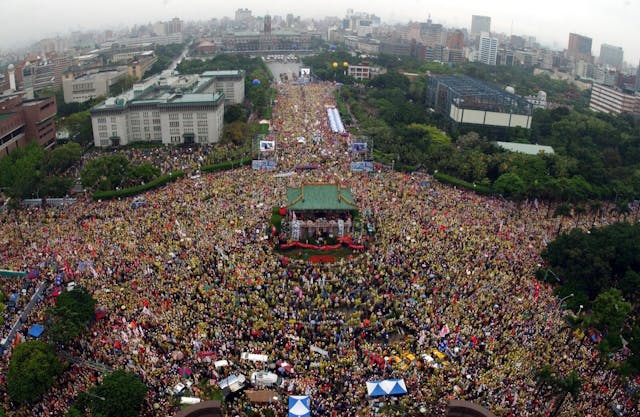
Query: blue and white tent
{"points": [[299, 406], [386, 387], [36, 330]]}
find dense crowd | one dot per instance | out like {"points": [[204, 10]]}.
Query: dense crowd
{"points": [[192, 277]]}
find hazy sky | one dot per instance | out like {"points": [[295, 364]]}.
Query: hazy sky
{"points": [[605, 21]]}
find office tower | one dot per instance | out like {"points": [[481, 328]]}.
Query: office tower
{"points": [[488, 49], [455, 40], [267, 25], [579, 47], [480, 24], [611, 55]]}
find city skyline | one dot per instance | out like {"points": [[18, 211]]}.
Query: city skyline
{"points": [[550, 22]]}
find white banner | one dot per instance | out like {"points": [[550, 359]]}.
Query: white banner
{"points": [[267, 146], [295, 230]]}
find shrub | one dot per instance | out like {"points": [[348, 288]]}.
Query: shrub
{"points": [[138, 189]]}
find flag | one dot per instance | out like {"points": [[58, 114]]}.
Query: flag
{"points": [[444, 331]]}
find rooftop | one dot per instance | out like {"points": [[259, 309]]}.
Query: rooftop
{"points": [[525, 148], [225, 73], [101, 74], [320, 197]]}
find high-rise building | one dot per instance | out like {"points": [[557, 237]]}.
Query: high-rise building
{"points": [[611, 55], [267, 25], [480, 24], [455, 40], [638, 78], [488, 49], [243, 15], [23, 121], [579, 47]]}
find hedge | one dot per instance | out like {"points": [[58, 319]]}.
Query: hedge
{"points": [[138, 189], [223, 166], [480, 189]]}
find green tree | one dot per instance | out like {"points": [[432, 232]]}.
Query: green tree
{"points": [[105, 173], [32, 370], [509, 185], [74, 412], [73, 312], [62, 158], [55, 186], [79, 127], [21, 171], [121, 394], [569, 385], [142, 173]]}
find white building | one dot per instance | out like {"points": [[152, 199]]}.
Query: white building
{"points": [[231, 83], [609, 100], [488, 49], [363, 71], [153, 113], [89, 86]]}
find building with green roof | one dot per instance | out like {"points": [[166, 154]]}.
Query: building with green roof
{"points": [[229, 82], [317, 209], [168, 110], [320, 198]]}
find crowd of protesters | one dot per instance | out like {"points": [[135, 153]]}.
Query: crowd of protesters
{"points": [[444, 296]]}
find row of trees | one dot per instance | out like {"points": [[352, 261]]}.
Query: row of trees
{"points": [[35, 365], [597, 156], [598, 275], [111, 172], [33, 172]]}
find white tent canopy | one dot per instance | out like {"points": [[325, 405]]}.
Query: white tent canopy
{"points": [[386, 387], [299, 406]]}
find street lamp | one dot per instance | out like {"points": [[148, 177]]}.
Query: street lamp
{"points": [[562, 300]]}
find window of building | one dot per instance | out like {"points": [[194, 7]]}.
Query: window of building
{"points": [[202, 116], [174, 124], [156, 121], [146, 122], [175, 139], [173, 116], [135, 123], [113, 119], [114, 127], [187, 124], [155, 114], [102, 120], [202, 123], [157, 128], [187, 116]]}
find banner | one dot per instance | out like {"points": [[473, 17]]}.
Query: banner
{"points": [[359, 147], [362, 166], [263, 164], [267, 146], [295, 230]]}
